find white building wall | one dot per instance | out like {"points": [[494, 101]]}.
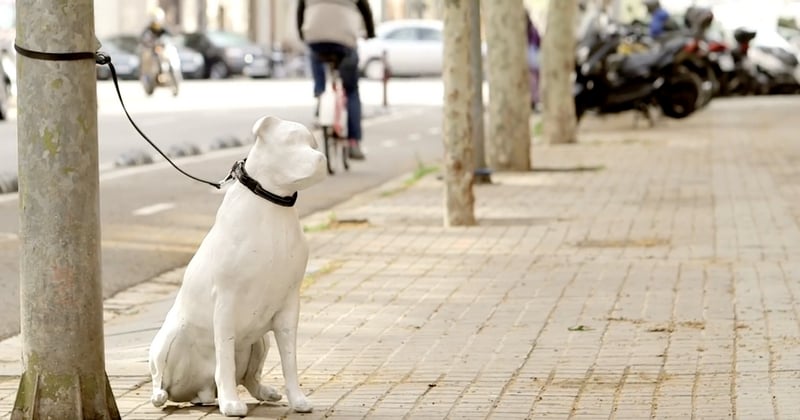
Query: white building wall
{"points": [[189, 14], [261, 32], [119, 16], [229, 15]]}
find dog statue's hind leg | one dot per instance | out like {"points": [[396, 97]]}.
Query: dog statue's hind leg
{"points": [[252, 376], [285, 330], [225, 352]]}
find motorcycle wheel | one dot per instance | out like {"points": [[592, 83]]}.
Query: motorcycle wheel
{"points": [[725, 84], [173, 81], [579, 111], [149, 85], [709, 86], [678, 98]]}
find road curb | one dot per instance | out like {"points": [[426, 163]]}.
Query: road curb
{"points": [[142, 156]]}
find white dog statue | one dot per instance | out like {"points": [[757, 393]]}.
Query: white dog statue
{"points": [[243, 282]]}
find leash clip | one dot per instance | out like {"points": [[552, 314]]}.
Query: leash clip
{"points": [[232, 174], [226, 180]]}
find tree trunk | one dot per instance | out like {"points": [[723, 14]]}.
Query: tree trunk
{"points": [[558, 64], [457, 124], [60, 280], [482, 174], [509, 85]]}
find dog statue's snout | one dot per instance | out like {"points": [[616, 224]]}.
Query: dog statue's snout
{"points": [[320, 166], [321, 159]]}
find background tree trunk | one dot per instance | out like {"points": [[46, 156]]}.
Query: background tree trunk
{"points": [[457, 125], [509, 85], [558, 63], [482, 173]]}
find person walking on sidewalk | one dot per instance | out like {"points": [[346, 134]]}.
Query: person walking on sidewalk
{"points": [[332, 27], [534, 47], [660, 20]]}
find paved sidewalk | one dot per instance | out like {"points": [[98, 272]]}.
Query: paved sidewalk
{"points": [[641, 273]]}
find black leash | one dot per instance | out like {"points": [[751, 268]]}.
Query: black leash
{"points": [[237, 171], [104, 59]]}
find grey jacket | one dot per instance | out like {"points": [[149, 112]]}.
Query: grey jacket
{"points": [[336, 21]]}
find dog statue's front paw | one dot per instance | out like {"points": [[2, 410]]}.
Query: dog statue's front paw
{"points": [[268, 393], [159, 397], [301, 404], [233, 408]]}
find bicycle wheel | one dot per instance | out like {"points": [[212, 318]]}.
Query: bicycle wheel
{"points": [[330, 147], [345, 150]]}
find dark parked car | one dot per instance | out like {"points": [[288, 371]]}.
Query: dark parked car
{"points": [[227, 54], [126, 63], [192, 63]]}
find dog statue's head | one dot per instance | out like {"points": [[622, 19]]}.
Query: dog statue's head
{"points": [[284, 158]]}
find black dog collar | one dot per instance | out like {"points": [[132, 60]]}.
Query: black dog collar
{"points": [[241, 175]]}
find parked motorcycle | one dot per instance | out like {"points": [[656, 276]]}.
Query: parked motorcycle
{"points": [[742, 80], [699, 62], [609, 82], [776, 69], [696, 57], [160, 67], [704, 56]]}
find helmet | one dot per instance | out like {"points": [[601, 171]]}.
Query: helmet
{"points": [[699, 18], [157, 17]]}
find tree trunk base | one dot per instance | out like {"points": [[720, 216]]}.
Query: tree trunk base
{"points": [[64, 396]]}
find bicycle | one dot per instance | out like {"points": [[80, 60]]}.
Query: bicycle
{"points": [[332, 115], [158, 68]]}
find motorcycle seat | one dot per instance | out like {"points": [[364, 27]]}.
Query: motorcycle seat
{"points": [[640, 64], [643, 64]]}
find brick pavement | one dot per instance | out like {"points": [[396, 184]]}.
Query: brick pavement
{"points": [[642, 273]]}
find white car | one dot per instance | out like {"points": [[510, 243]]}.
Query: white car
{"points": [[413, 47]]}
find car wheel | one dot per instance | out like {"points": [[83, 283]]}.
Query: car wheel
{"points": [[374, 69], [218, 70], [4, 99], [103, 73]]}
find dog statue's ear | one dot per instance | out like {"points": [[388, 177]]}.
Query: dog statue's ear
{"points": [[263, 125]]}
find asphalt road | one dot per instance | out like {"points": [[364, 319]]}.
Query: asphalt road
{"points": [[153, 218]]}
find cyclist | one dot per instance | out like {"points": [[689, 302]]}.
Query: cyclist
{"points": [[155, 27], [152, 34], [332, 27]]}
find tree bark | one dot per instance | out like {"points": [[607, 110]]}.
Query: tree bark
{"points": [[558, 63], [509, 86], [457, 124]]}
